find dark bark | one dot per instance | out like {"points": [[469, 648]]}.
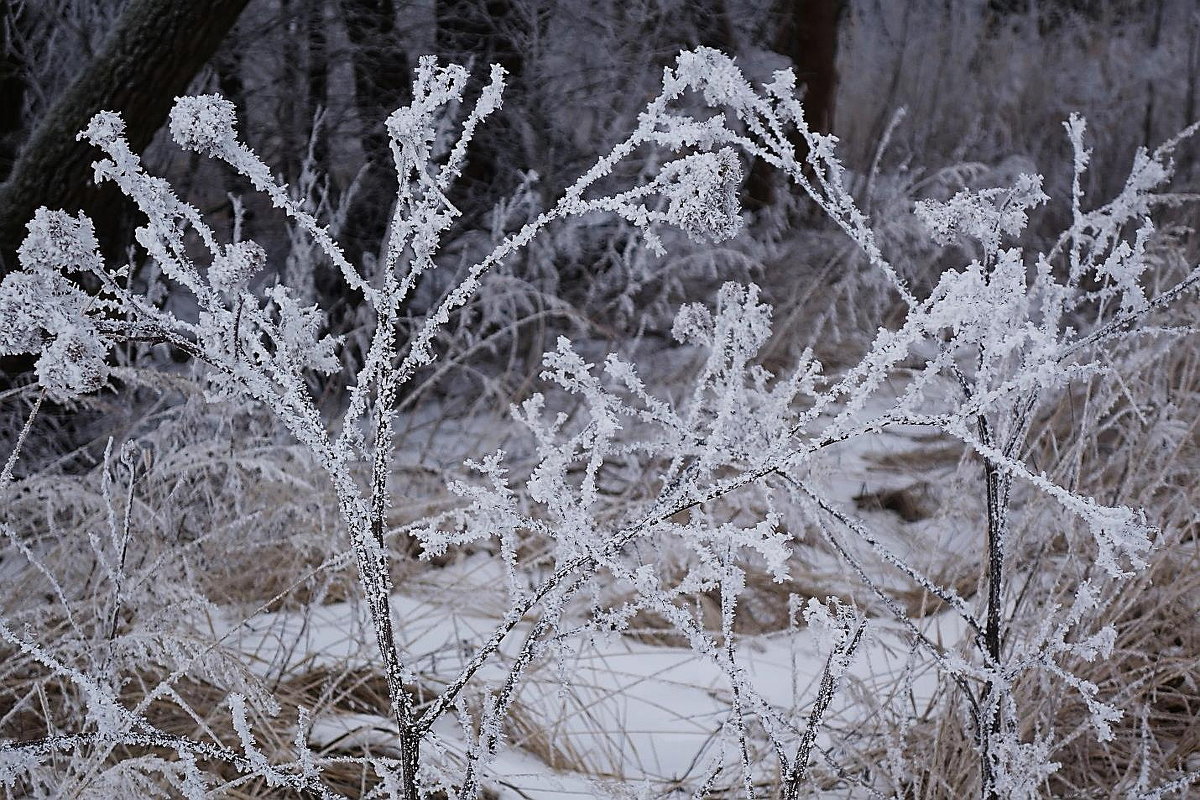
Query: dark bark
{"points": [[1193, 73], [318, 75], [713, 30], [483, 29], [305, 50], [1151, 94], [152, 54], [808, 36], [702, 23]]}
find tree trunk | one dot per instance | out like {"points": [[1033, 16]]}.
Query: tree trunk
{"points": [[318, 76], [808, 36], [152, 54]]}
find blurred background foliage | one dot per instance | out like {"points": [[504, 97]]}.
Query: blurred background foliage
{"points": [[982, 81], [926, 97]]}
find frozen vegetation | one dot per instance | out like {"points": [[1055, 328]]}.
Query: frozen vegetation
{"points": [[917, 523]]}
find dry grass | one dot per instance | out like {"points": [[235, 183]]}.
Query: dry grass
{"points": [[1131, 438], [1153, 675]]}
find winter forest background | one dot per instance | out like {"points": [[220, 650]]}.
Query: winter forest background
{"points": [[631, 399]]}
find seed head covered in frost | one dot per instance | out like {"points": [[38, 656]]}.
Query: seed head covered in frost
{"points": [[983, 215], [830, 622], [742, 324], [15, 764], [43, 312], [715, 75], [24, 311], [1021, 769], [58, 242], [300, 339], [240, 262], [74, 363], [435, 87], [1124, 267], [206, 123], [103, 129], [702, 190], [1119, 532]]}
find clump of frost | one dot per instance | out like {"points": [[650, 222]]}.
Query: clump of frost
{"points": [[1020, 769], [833, 624], [983, 215], [43, 312], [205, 123], [104, 129], [58, 242], [716, 77], [16, 764], [702, 192], [232, 269], [74, 363], [301, 343]]}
